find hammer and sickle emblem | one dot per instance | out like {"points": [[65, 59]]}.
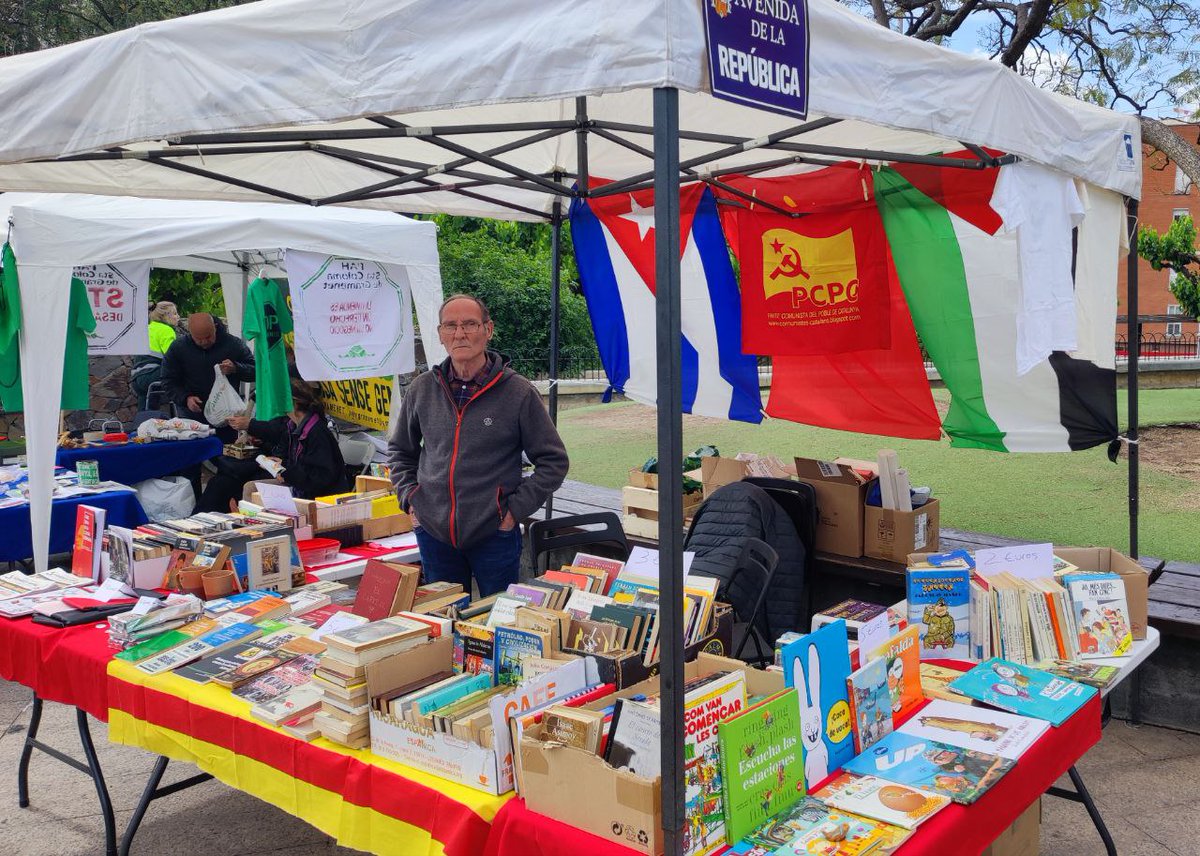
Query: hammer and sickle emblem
{"points": [[790, 265]]}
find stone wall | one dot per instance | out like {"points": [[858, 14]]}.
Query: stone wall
{"points": [[112, 398]]}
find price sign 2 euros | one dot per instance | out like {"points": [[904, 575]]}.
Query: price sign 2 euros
{"points": [[758, 53]]}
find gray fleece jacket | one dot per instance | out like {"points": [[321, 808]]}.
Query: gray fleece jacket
{"points": [[461, 471]]}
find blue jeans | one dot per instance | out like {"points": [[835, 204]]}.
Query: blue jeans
{"points": [[494, 562]]}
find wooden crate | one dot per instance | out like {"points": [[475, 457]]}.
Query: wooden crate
{"points": [[637, 478], [640, 507]]}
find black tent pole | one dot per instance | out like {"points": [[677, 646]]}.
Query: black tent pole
{"points": [[1132, 330], [670, 459], [556, 219]]}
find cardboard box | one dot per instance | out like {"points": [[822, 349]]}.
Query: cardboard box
{"points": [[620, 806], [892, 535], [441, 754], [1023, 838], [717, 472], [841, 502], [628, 669], [382, 527], [366, 484], [1136, 578]]}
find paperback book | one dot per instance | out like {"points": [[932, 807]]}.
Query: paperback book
{"points": [[939, 605], [817, 665], [870, 703], [869, 796], [845, 834], [762, 763], [782, 829], [707, 701], [963, 775], [976, 728], [1024, 690], [1101, 615]]}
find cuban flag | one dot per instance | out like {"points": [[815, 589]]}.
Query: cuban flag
{"points": [[614, 250]]}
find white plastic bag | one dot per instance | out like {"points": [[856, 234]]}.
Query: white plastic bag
{"points": [[223, 400], [166, 499], [173, 429]]}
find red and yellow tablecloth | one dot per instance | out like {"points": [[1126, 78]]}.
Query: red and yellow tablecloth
{"points": [[65, 665], [362, 800]]}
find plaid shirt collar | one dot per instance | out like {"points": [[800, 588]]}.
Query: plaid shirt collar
{"points": [[464, 390]]}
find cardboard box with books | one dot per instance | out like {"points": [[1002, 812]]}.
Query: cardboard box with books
{"points": [[1135, 577], [841, 503], [621, 805]]}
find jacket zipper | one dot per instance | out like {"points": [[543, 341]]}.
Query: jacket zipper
{"points": [[454, 451]]}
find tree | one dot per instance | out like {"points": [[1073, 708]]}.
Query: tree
{"points": [[1116, 53], [189, 291], [1175, 249], [507, 265]]}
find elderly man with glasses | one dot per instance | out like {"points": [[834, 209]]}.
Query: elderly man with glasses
{"points": [[456, 455]]}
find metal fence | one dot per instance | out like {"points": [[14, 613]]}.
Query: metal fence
{"points": [[1158, 346]]}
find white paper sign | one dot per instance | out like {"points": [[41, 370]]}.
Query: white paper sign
{"points": [[277, 498], [872, 634], [119, 296], [643, 562], [1029, 561], [353, 318]]}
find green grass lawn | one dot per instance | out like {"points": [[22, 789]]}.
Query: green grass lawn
{"points": [[1077, 498]]}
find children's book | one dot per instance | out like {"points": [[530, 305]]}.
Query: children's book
{"points": [[870, 703], [762, 766], [961, 774], [939, 605], [1024, 690], [1092, 674], [903, 657], [817, 665], [845, 834], [782, 829], [935, 682], [1101, 615], [977, 728], [869, 796], [707, 701]]}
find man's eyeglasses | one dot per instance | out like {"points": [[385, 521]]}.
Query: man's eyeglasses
{"points": [[455, 326]]}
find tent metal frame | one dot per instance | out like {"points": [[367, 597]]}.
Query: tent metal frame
{"points": [[462, 176]]}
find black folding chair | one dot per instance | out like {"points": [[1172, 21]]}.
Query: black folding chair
{"points": [[757, 564], [545, 536]]}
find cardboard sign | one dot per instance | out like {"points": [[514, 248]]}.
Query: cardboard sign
{"points": [[352, 318], [758, 53], [119, 297]]}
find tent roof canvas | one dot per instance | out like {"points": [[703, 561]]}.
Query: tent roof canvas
{"points": [[503, 79]]}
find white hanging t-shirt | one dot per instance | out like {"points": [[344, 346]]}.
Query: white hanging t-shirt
{"points": [[1041, 206]]}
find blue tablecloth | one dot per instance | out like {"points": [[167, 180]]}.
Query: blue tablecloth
{"points": [[131, 463], [16, 541]]}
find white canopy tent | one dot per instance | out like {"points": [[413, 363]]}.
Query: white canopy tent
{"points": [[51, 233], [505, 111]]}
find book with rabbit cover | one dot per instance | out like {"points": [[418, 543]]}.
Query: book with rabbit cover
{"points": [[817, 665]]}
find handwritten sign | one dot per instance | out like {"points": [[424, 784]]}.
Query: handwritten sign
{"points": [[1028, 561], [277, 498], [119, 298], [643, 563], [872, 634], [353, 318]]}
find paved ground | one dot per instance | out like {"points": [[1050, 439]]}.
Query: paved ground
{"points": [[1143, 780]]}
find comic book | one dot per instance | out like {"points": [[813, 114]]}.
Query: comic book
{"points": [[1101, 615], [978, 728], [935, 682], [904, 670], [707, 701], [781, 829], [817, 665], [961, 774], [1092, 674], [845, 834], [1023, 690], [939, 605], [870, 703]]}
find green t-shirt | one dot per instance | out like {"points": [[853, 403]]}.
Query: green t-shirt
{"points": [[267, 320], [76, 384]]}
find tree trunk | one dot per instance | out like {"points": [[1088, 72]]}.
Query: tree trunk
{"points": [[1174, 146]]}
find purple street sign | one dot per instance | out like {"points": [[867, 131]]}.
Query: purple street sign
{"points": [[758, 53]]}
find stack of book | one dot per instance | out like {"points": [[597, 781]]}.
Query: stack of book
{"points": [[445, 703], [342, 675], [176, 610]]}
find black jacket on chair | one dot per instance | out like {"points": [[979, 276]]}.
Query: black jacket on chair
{"points": [[721, 526]]}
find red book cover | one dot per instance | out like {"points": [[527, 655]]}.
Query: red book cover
{"points": [[382, 589], [579, 581], [89, 528], [317, 617]]}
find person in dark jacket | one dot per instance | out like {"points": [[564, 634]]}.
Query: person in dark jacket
{"points": [[300, 442], [455, 455], [187, 373]]}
